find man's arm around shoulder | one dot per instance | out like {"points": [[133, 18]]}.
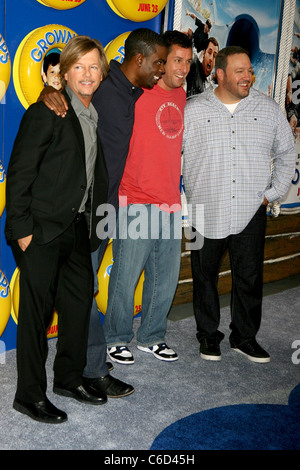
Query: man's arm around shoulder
{"points": [[54, 100]]}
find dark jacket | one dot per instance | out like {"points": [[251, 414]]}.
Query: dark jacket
{"points": [[46, 176], [196, 78], [115, 103], [200, 38]]}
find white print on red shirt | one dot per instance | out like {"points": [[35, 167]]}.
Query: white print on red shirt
{"points": [[169, 120]]}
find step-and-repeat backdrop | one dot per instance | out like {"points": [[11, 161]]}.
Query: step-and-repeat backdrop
{"points": [[29, 31], [32, 29]]}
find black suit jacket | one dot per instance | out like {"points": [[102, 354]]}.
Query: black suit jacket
{"points": [[46, 176]]}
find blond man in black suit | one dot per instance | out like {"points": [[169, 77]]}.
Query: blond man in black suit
{"points": [[50, 178]]}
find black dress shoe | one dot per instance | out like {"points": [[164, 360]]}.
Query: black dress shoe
{"points": [[82, 393], [42, 411], [112, 387]]}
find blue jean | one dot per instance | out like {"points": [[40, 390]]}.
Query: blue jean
{"points": [[159, 255], [96, 348]]}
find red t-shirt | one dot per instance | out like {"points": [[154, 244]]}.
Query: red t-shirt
{"points": [[153, 166]]}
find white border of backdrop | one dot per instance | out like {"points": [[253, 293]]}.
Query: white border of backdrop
{"points": [[290, 204]]}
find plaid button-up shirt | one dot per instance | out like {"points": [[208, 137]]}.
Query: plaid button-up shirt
{"points": [[227, 160]]}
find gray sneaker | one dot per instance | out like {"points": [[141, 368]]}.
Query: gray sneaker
{"points": [[160, 351], [120, 354]]}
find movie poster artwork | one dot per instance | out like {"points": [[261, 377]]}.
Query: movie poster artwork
{"points": [[253, 25]]}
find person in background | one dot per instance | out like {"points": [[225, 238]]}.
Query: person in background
{"points": [[201, 33], [231, 134], [51, 73], [201, 73]]}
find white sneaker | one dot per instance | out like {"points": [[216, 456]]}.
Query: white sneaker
{"points": [[160, 351], [120, 354]]}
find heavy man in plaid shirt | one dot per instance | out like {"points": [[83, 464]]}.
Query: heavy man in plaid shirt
{"points": [[231, 135]]}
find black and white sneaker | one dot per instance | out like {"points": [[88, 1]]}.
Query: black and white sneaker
{"points": [[252, 350], [160, 351], [120, 354]]}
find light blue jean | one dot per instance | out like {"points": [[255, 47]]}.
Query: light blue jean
{"points": [[150, 239]]}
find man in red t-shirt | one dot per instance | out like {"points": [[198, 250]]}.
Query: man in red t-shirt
{"points": [[148, 234]]}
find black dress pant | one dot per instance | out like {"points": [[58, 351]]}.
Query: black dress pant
{"points": [[54, 275], [246, 251]]}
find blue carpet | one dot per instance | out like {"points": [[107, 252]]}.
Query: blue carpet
{"points": [[167, 393], [237, 427]]}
